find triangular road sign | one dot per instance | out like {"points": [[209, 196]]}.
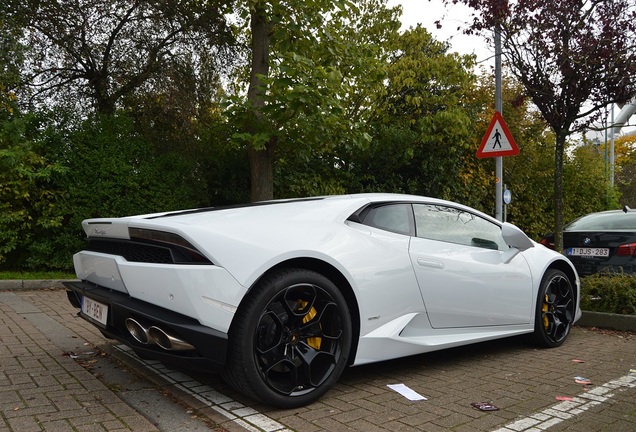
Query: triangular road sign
{"points": [[498, 141]]}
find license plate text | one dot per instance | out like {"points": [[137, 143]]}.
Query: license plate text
{"points": [[95, 310]]}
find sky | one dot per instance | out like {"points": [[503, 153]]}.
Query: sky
{"points": [[426, 12]]}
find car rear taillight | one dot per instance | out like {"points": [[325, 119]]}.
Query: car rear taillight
{"points": [[168, 239], [546, 242], [627, 249]]}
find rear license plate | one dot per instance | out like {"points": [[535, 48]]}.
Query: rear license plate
{"points": [[588, 252], [95, 310]]}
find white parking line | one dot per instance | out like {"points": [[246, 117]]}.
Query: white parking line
{"points": [[566, 410], [246, 417], [254, 421]]}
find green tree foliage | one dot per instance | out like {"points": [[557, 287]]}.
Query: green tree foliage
{"points": [[98, 51], [184, 116], [626, 169], [586, 183], [530, 177], [422, 136], [313, 63], [110, 170], [347, 103], [28, 196], [530, 174], [573, 58], [11, 55], [166, 148], [114, 171]]}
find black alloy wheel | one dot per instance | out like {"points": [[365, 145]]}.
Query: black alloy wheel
{"points": [[290, 340], [555, 309]]}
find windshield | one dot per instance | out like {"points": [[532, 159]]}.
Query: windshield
{"points": [[604, 222]]}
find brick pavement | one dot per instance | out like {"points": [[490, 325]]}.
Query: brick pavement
{"points": [[41, 386], [522, 381], [518, 379]]}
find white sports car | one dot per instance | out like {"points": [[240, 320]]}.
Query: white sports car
{"points": [[281, 296]]}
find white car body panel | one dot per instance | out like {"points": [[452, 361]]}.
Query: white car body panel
{"points": [[412, 334], [101, 269], [465, 286], [206, 292], [484, 297]]}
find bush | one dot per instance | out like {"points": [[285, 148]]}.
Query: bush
{"points": [[57, 171], [28, 197], [609, 292]]}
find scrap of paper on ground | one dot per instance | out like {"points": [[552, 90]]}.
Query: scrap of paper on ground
{"points": [[406, 392]]}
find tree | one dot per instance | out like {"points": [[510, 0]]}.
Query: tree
{"points": [[626, 169], [422, 138], [104, 50], [573, 57], [11, 57], [110, 170], [530, 175], [28, 196], [260, 154], [310, 64]]}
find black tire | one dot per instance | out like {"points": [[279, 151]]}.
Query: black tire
{"points": [[290, 339], [555, 310]]}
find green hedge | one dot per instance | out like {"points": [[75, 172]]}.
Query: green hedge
{"points": [[609, 292]]}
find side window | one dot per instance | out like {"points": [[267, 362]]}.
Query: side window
{"points": [[452, 225], [391, 217]]}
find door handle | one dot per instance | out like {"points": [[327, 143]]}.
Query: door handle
{"points": [[423, 262]]}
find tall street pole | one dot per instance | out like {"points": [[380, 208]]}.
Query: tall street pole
{"points": [[498, 107]]}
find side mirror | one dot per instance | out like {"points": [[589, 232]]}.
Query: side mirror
{"points": [[515, 238]]}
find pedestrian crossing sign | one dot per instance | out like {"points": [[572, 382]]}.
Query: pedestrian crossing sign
{"points": [[497, 141]]}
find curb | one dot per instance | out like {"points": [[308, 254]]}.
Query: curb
{"points": [[17, 284], [608, 321], [589, 319]]}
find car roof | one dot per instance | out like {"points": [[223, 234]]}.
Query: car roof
{"points": [[610, 220], [330, 207]]}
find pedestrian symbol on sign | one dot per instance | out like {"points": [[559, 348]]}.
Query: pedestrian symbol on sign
{"points": [[497, 139]]}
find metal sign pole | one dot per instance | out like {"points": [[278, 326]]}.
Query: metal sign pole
{"points": [[498, 107]]}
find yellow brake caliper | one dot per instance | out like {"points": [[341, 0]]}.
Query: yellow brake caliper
{"points": [[315, 341], [545, 308]]}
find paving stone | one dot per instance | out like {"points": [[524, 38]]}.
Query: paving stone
{"points": [[40, 387], [521, 380]]}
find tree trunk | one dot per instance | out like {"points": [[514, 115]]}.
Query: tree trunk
{"points": [[261, 172], [558, 190], [261, 159]]}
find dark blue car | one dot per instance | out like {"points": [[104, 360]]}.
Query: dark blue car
{"points": [[600, 241]]}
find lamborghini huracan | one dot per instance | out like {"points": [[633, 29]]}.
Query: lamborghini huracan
{"points": [[281, 296]]}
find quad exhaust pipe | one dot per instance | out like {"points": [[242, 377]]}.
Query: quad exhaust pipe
{"points": [[155, 335], [137, 331]]}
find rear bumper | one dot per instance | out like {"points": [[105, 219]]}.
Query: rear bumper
{"points": [[210, 346]]}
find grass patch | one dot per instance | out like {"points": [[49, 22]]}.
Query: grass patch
{"points": [[22, 275]]}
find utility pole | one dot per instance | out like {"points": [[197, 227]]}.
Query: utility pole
{"points": [[611, 159], [498, 107]]}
